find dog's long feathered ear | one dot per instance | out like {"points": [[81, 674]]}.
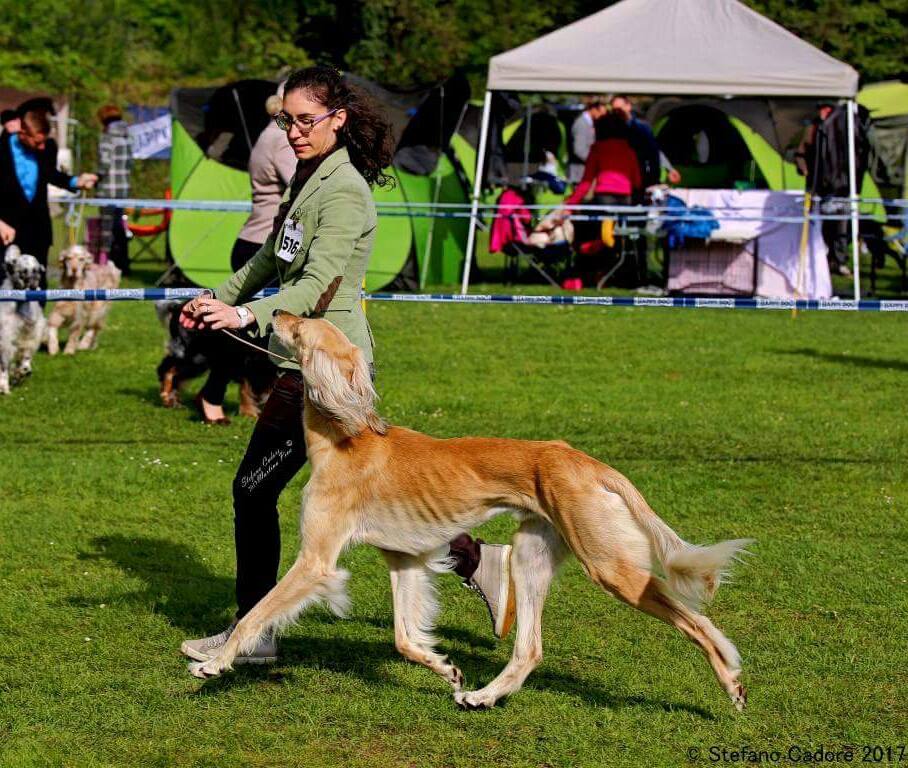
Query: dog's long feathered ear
{"points": [[349, 401], [361, 383], [11, 254]]}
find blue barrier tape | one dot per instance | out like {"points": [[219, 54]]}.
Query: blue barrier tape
{"points": [[158, 294], [651, 301]]}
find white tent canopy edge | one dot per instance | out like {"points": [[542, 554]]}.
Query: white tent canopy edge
{"points": [[693, 48]]}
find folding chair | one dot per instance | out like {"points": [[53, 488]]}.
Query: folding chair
{"points": [[146, 235], [617, 237], [510, 235]]}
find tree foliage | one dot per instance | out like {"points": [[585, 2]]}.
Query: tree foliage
{"points": [[137, 50]]}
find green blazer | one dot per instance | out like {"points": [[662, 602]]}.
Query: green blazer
{"points": [[337, 214]]}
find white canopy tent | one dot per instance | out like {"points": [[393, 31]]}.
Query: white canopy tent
{"points": [[681, 47]]}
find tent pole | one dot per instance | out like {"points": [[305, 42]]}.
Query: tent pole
{"points": [[437, 176], [239, 109], [477, 190], [853, 194], [526, 142]]}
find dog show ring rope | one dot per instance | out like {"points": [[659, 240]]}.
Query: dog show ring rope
{"points": [[683, 302]]}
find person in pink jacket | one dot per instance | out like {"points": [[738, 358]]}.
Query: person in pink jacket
{"points": [[612, 168]]}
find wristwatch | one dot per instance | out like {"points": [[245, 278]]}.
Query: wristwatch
{"points": [[243, 314]]}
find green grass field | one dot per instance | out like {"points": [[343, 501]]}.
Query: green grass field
{"points": [[116, 544]]}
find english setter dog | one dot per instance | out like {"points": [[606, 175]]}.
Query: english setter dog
{"points": [[85, 318], [21, 323], [409, 494]]}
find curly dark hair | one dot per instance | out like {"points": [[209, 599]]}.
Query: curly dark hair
{"points": [[366, 133]]}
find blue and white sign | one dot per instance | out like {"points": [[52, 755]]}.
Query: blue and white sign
{"points": [[151, 139]]}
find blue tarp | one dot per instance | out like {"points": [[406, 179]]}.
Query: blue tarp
{"points": [[683, 222]]}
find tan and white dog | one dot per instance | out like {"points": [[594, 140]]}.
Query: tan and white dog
{"points": [[85, 318], [409, 494]]}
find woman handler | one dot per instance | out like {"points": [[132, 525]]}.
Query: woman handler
{"points": [[318, 251]]}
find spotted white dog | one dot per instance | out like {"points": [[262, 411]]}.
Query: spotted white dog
{"points": [[21, 323]]}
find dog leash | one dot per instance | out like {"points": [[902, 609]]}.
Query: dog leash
{"points": [[73, 217], [256, 347]]}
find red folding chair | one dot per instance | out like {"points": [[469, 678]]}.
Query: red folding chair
{"points": [[146, 235]]}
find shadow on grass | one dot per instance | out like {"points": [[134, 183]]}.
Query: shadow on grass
{"points": [[550, 679], [149, 394], [197, 600], [177, 584], [366, 659], [369, 660], [856, 360]]}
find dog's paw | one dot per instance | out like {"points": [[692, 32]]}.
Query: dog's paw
{"points": [[473, 700], [170, 400], [455, 677], [205, 669], [739, 697]]}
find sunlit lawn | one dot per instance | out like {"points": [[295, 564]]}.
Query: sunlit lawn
{"points": [[116, 543]]}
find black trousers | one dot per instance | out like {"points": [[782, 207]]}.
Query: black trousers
{"points": [[276, 452], [113, 238], [228, 361]]}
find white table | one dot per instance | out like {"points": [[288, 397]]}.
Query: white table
{"points": [[748, 223]]}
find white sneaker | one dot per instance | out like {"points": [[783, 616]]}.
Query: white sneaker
{"points": [[492, 580], [206, 648]]}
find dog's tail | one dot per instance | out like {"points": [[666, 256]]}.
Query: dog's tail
{"points": [[693, 573]]}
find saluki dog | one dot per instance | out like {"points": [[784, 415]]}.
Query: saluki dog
{"points": [[409, 494]]}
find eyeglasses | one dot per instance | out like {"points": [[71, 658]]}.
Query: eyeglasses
{"points": [[285, 121]]}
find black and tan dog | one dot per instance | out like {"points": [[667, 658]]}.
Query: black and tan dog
{"points": [[190, 354]]}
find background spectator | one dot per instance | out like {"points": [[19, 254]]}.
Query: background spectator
{"points": [[9, 119], [612, 169], [611, 177], [28, 163], [822, 157], [644, 141], [583, 136], [271, 168], [114, 164]]}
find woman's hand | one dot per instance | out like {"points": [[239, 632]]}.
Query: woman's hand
{"points": [[7, 233], [190, 315], [205, 311], [86, 180]]}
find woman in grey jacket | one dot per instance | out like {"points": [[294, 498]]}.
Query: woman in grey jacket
{"points": [[318, 251]]}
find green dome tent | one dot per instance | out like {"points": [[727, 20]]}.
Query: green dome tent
{"points": [[748, 142], [215, 128], [888, 106]]}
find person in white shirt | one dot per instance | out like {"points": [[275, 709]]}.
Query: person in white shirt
{"points": [[583, 136]]}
